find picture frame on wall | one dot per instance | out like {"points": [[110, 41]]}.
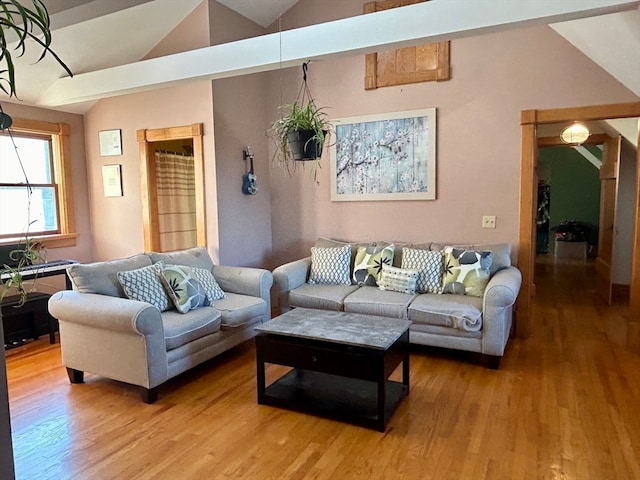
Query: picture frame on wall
{"points": [[112, 180], [389, 156], [110, 142]]}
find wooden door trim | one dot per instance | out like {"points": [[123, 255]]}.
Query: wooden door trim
{"points": [[529, 121], [147, 179]]}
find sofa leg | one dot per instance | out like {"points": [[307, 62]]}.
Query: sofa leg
{"points": [[75, 376], [494, 362], [149, 395]]}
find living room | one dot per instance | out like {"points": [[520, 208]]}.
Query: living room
{"points": [[494, 78]]}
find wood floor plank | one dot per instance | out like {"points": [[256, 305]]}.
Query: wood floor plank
{"points": [[564, 405]]}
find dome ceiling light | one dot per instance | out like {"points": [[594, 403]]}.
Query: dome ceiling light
{"points": [[576, 133]]}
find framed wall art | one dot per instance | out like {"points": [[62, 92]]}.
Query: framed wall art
{"points": [[110, 142], [390, 156], [112, 180]]}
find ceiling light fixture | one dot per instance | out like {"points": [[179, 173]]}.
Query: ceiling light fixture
{"points": [[576, 133]]}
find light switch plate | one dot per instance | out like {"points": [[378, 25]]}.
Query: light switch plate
{"points": [[489, 221]]}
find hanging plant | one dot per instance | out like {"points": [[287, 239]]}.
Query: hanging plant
{"points": [[30, 24], [301, 131]]}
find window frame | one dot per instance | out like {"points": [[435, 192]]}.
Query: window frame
{"points": [[59, 133]]}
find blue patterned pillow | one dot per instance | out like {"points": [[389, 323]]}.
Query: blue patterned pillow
{"points": [[330, 266], [144, 285], [429, 265]]}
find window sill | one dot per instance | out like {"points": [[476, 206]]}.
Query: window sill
{"points": [[50, 241]]}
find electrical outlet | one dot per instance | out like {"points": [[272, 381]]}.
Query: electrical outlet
{"points": [[489, 221]]}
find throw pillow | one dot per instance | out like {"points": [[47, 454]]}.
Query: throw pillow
{"points": [[144, 285], [398, 279], [368, 266], [429, 266], [330, 266], [209, 283], [466, 272], [185, 291]]}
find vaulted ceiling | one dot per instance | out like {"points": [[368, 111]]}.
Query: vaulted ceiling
{"points": [[97, 35]]}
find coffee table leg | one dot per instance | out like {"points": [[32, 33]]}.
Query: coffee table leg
{"points": [[382, 394], [260, 376], [405, 373]]}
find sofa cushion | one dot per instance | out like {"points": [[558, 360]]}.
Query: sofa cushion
{"points": [[330, 266], [191, 257], [466, 272], [102, 277], [238, 310], [461, 312], [181, 329], [429, 265], [185, 291], [373, 301], [398, 279], [322, 297], [144, 285], [369, 262]]}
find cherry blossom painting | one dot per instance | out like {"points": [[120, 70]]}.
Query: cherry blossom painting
{"points": [[385, 157]]}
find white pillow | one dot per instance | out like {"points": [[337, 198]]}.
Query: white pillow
{"points": [[330, 266], [398, 279]]}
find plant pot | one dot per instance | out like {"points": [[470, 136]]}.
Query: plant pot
{"points": [[302, 145]]}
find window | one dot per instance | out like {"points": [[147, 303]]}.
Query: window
{"points": [[43, 208]]}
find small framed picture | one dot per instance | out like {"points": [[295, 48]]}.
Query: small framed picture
{"points": [[110, 143], [112, 180]]}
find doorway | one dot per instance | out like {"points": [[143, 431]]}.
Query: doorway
{"points": [[530, 121], [162, 148]]}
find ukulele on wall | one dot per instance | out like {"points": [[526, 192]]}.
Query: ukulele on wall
{"points": [[249, 180]]}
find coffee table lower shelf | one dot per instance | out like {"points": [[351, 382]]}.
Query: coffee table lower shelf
{"points": [[332, 396]]}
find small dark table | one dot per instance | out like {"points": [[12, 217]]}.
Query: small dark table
{"points": [[341, 364]]}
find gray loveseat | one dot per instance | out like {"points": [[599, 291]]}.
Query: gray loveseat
{"points": [[457, 321], [105, 333]]}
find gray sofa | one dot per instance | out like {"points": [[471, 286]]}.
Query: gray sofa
{"points": [[477, 324], [105, 333]]}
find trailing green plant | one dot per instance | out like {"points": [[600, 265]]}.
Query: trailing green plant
{"points": [[28, 24], [30, 253], [303, 115]]}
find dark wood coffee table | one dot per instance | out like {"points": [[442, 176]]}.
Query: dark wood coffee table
{"points": [[341, 364]]}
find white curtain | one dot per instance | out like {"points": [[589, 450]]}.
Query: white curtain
{"points": [[175, 184]]}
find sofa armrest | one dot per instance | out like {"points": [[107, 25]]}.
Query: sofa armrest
{"points": [[109, 313], [255, 282], [499, 296], [502, 289], [113, 337], [288, 277]]}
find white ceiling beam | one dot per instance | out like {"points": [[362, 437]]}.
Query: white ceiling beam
{"points": [[593, 160], [434, 21]]}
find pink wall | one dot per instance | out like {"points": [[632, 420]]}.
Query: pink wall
{"points": [[494, 78], [240, 116], [117, 221]]}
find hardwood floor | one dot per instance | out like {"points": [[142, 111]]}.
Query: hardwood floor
{"points": [[565, 404]]}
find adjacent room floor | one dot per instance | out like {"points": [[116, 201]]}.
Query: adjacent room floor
{"points": [[564, 405]]}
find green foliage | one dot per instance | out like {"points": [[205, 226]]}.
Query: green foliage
{"points": [[296, 117], [32, 252], [28, 25]]}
